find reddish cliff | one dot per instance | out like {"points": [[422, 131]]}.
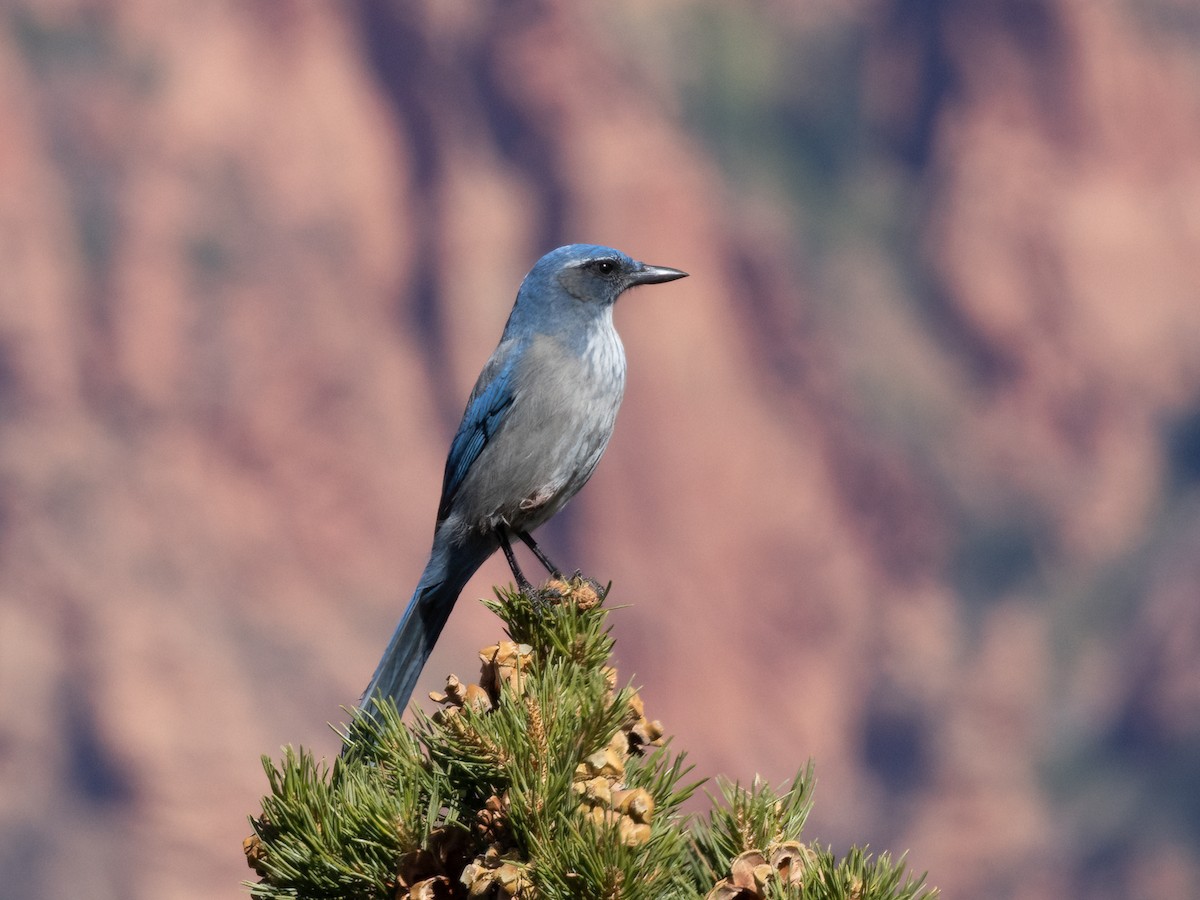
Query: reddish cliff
{"points": [[253, 256]]}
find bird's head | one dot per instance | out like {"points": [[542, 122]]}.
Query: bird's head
{"points": [[590, 276]]}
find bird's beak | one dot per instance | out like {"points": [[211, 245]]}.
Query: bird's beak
{"points": [[654, 275]]}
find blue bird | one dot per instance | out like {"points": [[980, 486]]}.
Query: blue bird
{"points": [[535, 426]]}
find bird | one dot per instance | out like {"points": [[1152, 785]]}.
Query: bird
{"points": [[535, 426]]}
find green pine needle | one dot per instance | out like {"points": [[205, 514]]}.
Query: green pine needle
{"points": [[527, 795]]}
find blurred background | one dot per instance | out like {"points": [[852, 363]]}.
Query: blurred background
{"points": [[907, 479]]}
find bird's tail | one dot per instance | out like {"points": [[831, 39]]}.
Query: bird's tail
{"points": [[448, 571]]}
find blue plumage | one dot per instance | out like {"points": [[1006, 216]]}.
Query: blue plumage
{"points": [[480, 423], [535, 426]]}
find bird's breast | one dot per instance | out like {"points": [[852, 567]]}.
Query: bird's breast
{"points": [[574, 386], [603, 359], [564, 408]]}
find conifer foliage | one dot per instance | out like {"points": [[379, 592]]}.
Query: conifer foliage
{"points": [[543, 780]]}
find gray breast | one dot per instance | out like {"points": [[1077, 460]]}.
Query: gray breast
{"points": [[564, 408]]}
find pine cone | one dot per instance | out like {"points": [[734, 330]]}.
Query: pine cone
{"points": [[751, 872], [503, 663], [491, 822], [256, 855], [791, 860], [490, 876], [583, 593], [436, 888]]}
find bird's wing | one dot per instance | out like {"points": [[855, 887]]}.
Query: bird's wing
{"points": [[486, 410]]}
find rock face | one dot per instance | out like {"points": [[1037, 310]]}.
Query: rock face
{"points": [[253, 256]]}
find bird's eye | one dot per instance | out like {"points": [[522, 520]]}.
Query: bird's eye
{"points": [[605, 266]]}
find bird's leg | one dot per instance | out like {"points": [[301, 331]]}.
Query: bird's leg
{"points": [[522, 582], [542, 557]]}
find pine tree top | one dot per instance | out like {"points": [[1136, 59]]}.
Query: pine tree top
{"points": [[544, 779]]}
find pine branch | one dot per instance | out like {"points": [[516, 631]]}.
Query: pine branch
{"points": [[541, 780]]}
